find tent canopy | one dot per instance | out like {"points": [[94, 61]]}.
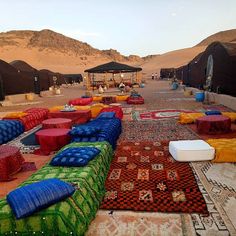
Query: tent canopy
{"points": [[113, 67]]}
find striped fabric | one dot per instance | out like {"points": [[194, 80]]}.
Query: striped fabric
{"points": [[73, 215]]}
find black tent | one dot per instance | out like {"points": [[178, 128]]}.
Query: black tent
{"points": [[73, 78], [218, 63], [167, 72], [113, 67], [14, 81]]}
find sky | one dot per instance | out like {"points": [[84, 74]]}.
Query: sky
{"points": [[132, 27]]}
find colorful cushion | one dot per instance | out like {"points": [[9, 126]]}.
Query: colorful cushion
{"points": [[107, 115], [10, 129], [188, 118], [208, 113], [28, 199], [231, 115], [84, 130], [96, 108], [15, 115], [225, 149], [191, 150], [75, 156]]}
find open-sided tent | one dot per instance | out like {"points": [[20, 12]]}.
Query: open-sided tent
{"points": [[112, 68]]}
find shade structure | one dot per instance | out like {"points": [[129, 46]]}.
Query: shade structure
{"points": [[113, 67]]}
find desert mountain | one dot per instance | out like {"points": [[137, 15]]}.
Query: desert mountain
{"points": [[56, 52], [228, 36]]}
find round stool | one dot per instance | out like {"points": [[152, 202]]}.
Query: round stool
{"points": [[213, 124], [51, 140], [11, 161], [57, 123]]}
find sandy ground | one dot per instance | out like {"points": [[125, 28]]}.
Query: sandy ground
{"points": [[157, 95]]}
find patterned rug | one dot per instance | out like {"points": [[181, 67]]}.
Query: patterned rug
{"points": [[28, 166], [124, 223], [155, 130], [26, 141], [217, 183], [158, 114], [144, 177]]}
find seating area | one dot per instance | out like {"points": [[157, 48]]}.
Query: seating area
{"points": [[10, 129], [29, 118], [83, 140], [75, 213]]}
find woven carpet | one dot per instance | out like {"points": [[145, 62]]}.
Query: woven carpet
{"points": [[28, 166], [155, 130], [144, 177], [26, 141], [158, 114]]}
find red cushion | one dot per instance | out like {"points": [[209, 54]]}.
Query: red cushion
{"points": [[135, 100], [81, 101]]}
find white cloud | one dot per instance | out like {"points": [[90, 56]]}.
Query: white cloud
{"points": [[173, 14]]}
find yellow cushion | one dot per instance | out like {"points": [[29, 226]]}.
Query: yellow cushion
{"points": [[96, 108], [121, 97], [188, 118], [97, 98], [225, 149], [231, 115], [82, 107], [15, 115], [56, 108]]}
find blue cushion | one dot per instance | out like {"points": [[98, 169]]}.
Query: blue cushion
{"points": [[75, 156], [109, 115], [212, 113], [84, 130], [31, 198]]}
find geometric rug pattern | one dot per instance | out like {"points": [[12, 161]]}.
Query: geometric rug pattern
{"points": [[25, 148], [125, 223], [159, 114], [144, 177], [158, 130], [217, 183]]}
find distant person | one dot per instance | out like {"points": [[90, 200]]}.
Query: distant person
{"points": [[155, 77], [122, 86], [152, 76]]}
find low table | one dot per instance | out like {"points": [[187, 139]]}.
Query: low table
{"points": [[57, 123], [213, 124], [77, 117], [51, 140], [11, 161], [108, 99]]}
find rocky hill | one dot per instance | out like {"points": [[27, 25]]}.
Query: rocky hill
{"points": [[228, 36], [56, 52]]}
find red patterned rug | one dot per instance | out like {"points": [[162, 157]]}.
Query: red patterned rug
{"points": [[159, 114], [144, 177]]}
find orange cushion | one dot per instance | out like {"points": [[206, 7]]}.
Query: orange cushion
{"points": [[15, 115], [188, 118], [231, 115], [225, 149]]}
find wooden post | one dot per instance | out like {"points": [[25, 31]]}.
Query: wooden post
{"points": [[88, 82]]}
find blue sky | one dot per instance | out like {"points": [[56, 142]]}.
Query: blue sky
{"points": [[140, 27]]}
